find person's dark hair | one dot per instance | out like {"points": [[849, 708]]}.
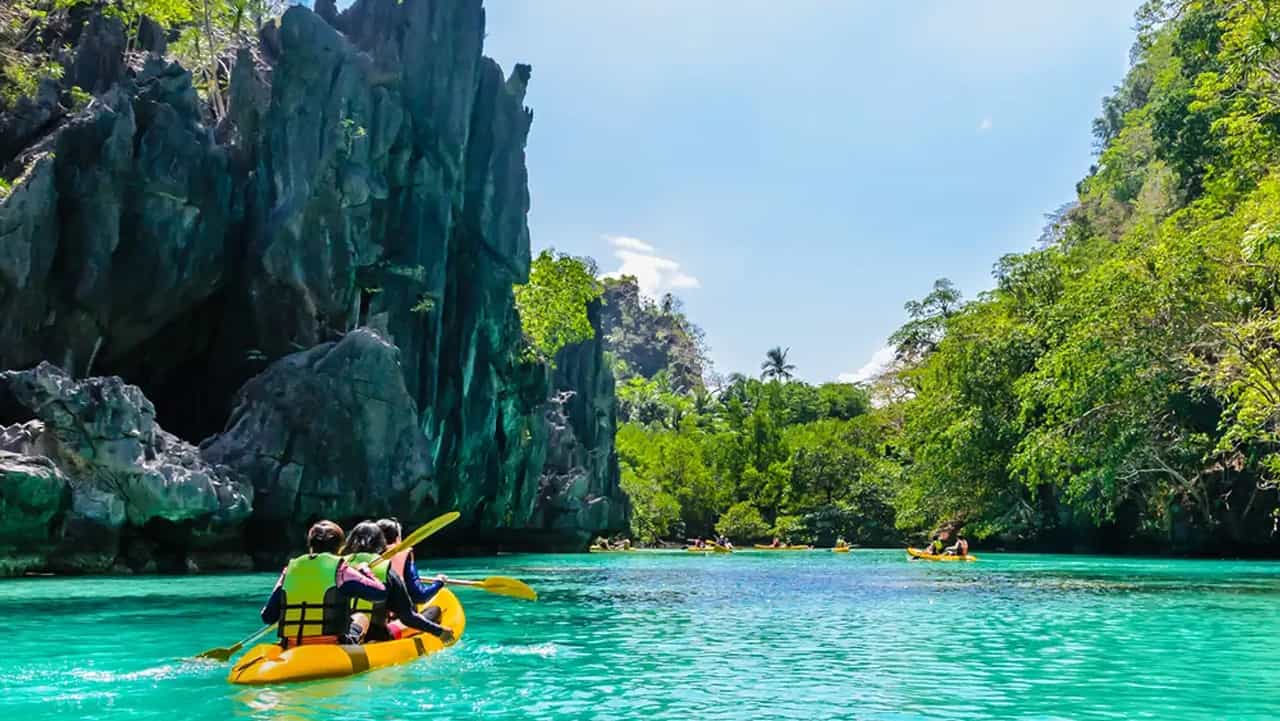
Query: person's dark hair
{"points": [[324, 537], [391, 530], [366, 537]]}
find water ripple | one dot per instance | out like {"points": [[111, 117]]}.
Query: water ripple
{"points": [[864, 636]]}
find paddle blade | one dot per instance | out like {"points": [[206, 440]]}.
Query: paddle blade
{"points": [[506, 586], [219, 654]]}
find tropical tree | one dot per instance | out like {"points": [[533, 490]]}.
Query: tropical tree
{"points": [[775, 365], [920, 336], [553, 304]]}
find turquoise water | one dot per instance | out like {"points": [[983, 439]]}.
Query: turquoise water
{"points": [[864, 635]]}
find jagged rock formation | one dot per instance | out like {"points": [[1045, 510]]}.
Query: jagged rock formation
{"points": [[328, 432], [369, 173], [581, 469], [650, 337], [94, 466]]}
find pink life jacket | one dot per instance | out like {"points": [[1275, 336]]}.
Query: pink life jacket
{"points": [[399, 562]]}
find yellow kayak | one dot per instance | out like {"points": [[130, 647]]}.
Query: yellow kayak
{"points": [[840, 549], [762, 547], [269, 663], [708, 549], [917, 553]]}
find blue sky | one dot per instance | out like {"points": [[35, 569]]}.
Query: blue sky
{"points": [[796, 171]]}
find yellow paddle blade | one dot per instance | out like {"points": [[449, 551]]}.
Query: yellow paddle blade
{"points": [[219, 654], [223, 654], [506, 586], [419, 535]]}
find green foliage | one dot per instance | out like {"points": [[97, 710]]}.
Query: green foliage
{"points": [[80, 98], [654, 512], [1117, 378], [205, 33], [553, 304], [741, 459], [24, 63], [743, 521], [928, 316], [790, 529], [775, 365]]}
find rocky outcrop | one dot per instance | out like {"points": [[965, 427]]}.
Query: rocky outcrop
{"points": [[33, 494], [319, 282], [93, 469], [650, 337], [330, 432], [580, 475], [117, 227]]}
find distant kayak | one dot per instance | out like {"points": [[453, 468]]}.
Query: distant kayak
{"points": [[763, 547], [917, 553], [269, 663], [598, 549], [708, 549], [840, 549]]}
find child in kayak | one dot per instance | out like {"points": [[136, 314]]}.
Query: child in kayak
{"points": [[312, 598], [403, 564], [375, 616]]}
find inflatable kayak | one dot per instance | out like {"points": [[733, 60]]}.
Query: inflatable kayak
{"points": [[708, 549], [762, 547], [917, 553], [269, 663]]}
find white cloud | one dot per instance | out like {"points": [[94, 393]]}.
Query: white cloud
{"points": [[985, 125], [622, 241], [653, 273], [877, 363]]}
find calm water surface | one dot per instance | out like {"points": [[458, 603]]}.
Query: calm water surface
{"points": [[864, 635]]}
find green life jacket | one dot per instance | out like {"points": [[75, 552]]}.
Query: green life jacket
{"points": [[312, 609], [377, 611]]}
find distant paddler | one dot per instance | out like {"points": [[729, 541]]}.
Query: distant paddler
{"points": [[959, 548]]}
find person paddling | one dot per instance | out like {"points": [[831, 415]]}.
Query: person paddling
{"points": [[404, 566], [959, 548], [387, 617], [311, 600]]}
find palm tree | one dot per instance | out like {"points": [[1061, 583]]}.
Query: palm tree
{"points": [[775, 365]]}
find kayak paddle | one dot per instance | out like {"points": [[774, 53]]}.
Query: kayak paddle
{"points": [[500, 585], [430, 527]]}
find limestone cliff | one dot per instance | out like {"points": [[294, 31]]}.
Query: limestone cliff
{"points": [[369, 175]]}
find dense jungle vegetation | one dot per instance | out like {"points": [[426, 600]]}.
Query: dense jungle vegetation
{"points": [[1117, 389]]}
